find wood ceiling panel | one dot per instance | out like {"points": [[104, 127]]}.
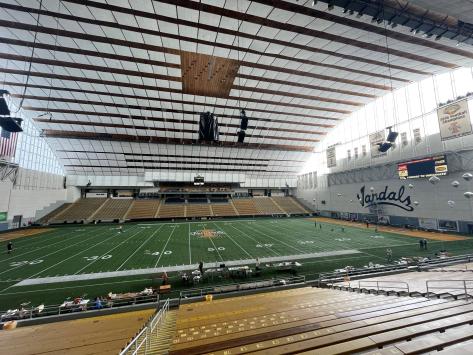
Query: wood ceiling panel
{"points": [[207, 75]]}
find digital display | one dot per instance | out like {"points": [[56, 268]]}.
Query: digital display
{"points": [[198, 180], [423, 168]]}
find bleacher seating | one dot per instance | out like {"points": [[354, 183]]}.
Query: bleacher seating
{"points": [[95, 335], [321, 321], [81, 210], [223, 209], [114, 208], [245, 206], [172, 210], [173, 207], [143, 209], [46, 218], [266, 206], [198, 210], [289, 205]]}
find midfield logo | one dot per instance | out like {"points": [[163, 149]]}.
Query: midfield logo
{"points": [[392, 198]]}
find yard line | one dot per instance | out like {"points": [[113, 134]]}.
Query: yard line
{"points": [[257, 242], [190, 253], [216, 249], [46, 246], [277, 240], [165, 245], [238, 245], [54, 252], [60, 262], [142, 244], [108, 251]]}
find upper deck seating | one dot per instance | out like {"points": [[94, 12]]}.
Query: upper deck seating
{"points": [[81, 210], [245, 206], [113, 209], [143, 209]]}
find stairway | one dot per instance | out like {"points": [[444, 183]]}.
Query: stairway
{"points": [[161, 342]]}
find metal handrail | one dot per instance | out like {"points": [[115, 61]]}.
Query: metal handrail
{"points": [[52, 310], [267, 283], [463, 287], [143, 338], [378, 282]]}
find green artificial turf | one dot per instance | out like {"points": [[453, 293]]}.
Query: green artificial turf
{"points": [[78, 249]]}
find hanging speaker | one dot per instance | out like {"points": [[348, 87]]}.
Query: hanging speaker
{"points": [[11, 124], [4, 110], [392, 136], [384, 147], [244, 120], [241, 136]]}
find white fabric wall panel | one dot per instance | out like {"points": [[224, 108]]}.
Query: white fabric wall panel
{"points": [[432, 199]]}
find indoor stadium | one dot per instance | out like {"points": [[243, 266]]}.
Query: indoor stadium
{"points": [[236, 176]]}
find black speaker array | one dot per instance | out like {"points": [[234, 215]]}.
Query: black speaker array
{"points": [[208, 127], [8, 124], [243, 126]]}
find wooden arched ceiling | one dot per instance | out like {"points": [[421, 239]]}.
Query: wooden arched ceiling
{"points": [[118, 86]]}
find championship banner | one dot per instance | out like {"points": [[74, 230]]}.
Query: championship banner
{"points": [[454, 120], [331, 157], [3, 216], [375, 138]]}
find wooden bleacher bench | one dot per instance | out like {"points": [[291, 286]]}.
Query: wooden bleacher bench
{"points": [[334, 326]]}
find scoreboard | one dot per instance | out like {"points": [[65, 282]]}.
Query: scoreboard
{"points": [[422, 168]]}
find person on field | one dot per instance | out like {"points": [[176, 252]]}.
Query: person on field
{"points": [[315, 224], [389, 255], [120, 229], [421, 243], [9, 247]]}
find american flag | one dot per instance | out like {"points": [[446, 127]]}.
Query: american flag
{"points": [[7, 144]]}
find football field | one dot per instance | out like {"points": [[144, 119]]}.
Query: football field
{"points": [[72, 260]]}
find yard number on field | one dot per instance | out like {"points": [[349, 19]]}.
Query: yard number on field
{"points": [[213, 249], [156, 253], [25, 262], [97, 257]]}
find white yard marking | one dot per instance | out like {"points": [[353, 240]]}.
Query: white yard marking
{"points": [[149, 271], [56, 251], [109, 251], [60, 262], [258, 242], [190, 253], [63, 239], [215, 247], [279, 241], [165, 245], [238, 245], [146, 241]]}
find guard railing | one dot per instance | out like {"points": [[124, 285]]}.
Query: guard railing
{"points": [[141, 343]]}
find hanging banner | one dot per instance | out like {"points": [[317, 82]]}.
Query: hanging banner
{"points": [[331, 157], [454, 120], [375, 138]]}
